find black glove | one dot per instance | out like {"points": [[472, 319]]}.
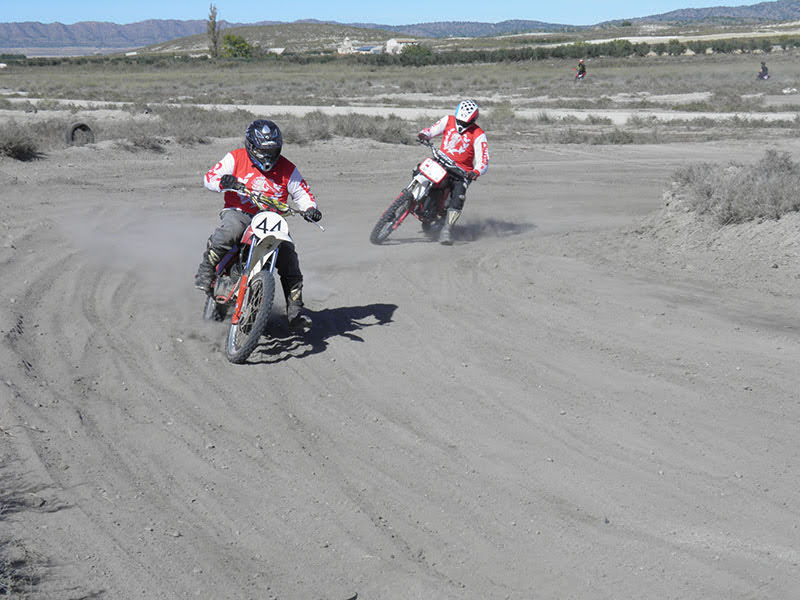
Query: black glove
{"points": [[421, 138], [229, 182], [472, 175], [312, 214]]}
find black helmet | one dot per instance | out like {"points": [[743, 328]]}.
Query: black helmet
{"points": [[263, 142]]}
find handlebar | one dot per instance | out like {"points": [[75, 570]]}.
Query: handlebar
{"points": [[444, 160], [264, 202]]}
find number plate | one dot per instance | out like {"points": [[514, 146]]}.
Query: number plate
{"points": [[432, 170]]}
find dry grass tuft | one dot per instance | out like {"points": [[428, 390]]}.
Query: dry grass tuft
{"points": [[737, 193], [18, 142]]}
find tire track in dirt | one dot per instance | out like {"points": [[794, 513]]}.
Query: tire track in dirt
{"points": [[479, 420]]}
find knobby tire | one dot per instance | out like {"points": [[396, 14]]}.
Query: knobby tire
{"points": [[256, 307], [385, 225]]}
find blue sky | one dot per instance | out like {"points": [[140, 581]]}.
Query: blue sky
{"points": [[570, 12]]}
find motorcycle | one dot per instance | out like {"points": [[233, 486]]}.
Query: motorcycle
{"points": [[426, 197], [245, 279]]}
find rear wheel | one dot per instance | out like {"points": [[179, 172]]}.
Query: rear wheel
{"points": [[243, 337], [388, 221]]}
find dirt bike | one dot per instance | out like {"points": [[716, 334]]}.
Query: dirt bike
{"points": [[426, 197], [245, 279]]}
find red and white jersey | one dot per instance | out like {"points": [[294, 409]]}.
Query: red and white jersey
{"points": [[469, 150], [282, 181]]}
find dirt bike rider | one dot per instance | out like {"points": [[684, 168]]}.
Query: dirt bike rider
{"points": [[259, 166], [764, 72], [580, 70], [465, 143]]}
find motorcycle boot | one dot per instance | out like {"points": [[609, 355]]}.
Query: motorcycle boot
{"points": [[294, 307], [446, 234], [207, 271]]}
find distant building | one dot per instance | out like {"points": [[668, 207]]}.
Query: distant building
{"points": [[396, 45], [346, 47]]}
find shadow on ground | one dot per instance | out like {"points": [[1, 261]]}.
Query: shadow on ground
{"points": [[470, 232], [345, 321]]}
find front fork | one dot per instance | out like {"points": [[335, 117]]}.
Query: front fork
{"points": [[273, 261], [419, 189]]}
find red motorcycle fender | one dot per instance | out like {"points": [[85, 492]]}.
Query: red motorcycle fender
{"points": [[239, 299], [248, 233]]}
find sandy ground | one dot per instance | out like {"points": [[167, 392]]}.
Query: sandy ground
{"points": [[588, 396]]}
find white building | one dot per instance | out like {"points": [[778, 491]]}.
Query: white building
{"points": [[396, 45], [346, 47]]}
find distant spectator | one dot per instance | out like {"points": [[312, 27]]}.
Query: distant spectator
{"points": [[580, 70]]}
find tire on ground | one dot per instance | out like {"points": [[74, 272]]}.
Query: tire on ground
{"points": [[79, 134]]}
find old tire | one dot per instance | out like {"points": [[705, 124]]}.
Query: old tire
{"points": [[79, 134]]}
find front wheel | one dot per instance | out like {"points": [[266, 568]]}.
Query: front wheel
{"points": [[243, 336], [390, 219]]}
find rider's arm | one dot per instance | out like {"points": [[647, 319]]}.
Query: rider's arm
{"points": [[223, 167], [480, 162], [300, 192], [435, 129]]}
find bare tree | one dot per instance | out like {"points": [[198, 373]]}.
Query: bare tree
{"points": [[212, 29]]}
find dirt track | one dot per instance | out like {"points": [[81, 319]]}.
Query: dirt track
{"points": [[571, 402]]}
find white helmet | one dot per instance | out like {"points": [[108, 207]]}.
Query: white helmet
{"points": [[466, 114]]}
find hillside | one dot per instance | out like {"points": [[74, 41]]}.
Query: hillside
{"points": [[782, 10], [294, 37], [97, 36], [96, 33], [470, 28]]}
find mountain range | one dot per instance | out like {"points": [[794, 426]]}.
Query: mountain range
{"points": [[112, 36]]}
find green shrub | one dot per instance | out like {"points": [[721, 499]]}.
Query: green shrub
{"points": [[235, 46]]}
